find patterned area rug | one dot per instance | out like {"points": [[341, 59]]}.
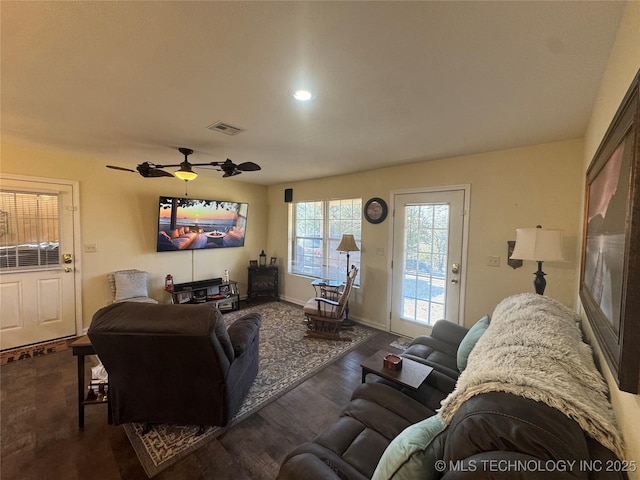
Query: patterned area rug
{"points": [[286, 360]]}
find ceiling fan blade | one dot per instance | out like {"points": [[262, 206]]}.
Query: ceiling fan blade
{"points": [[115, 167], [156, 172], [248, 167], [150, 170]]}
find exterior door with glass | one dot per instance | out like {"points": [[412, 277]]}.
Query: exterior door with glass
{"points": [[429, 231], [37, 262]]}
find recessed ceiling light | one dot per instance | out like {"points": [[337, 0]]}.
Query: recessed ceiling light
{"points": [[302, 95]]}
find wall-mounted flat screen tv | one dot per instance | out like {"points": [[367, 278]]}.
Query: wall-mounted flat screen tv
{"points": [[192, 224]]}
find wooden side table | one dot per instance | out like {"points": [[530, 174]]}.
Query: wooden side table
{"points": [[80, 348], [411, 375]]}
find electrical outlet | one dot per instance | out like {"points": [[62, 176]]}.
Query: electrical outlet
{"points": [[493, 261]]}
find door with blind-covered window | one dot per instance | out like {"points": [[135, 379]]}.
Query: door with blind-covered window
{"points": [[37, 261]]}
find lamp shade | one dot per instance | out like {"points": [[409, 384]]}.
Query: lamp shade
{"points": [[348, 244], [538, 245]]}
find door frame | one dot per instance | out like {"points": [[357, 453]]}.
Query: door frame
{"points": [[466, 187], [77, 264]]}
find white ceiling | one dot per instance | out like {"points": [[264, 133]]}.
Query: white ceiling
{"points": [[396, 82]]}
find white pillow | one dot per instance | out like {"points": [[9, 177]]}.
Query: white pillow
{"points": [[130, 285]]}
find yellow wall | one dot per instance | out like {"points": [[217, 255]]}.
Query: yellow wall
{"points": [[118, 212], [624, 63], [515, 188]]}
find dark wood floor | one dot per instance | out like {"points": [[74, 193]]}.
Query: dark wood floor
{"points": [[40, 438]]}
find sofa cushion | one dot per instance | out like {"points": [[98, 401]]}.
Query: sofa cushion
{"points": [[414, 452], [130, 285], [470, 339]]}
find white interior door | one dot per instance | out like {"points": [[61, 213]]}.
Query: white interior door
{"points": [[428, 259], [37, 262]]}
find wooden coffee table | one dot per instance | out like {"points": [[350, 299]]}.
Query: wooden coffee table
{"points": [[411, 375]]}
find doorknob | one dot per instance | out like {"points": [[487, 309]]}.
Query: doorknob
{"points": [[67, 258], [455, 268]]}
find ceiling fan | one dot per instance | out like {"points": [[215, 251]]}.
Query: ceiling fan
{"points": [[185, 172]]}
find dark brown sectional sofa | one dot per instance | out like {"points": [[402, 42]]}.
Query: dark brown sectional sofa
{"points": [[492, 435]]}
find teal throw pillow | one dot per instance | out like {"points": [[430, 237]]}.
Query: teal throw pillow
{"points": [[413, 453], [470, 339]]}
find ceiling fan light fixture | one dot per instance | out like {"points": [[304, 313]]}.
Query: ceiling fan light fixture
{"points": [[185, 173]]}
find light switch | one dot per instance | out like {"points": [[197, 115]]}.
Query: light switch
{"points": [[90, 247]]}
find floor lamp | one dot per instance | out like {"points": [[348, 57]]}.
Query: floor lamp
{"points": [[347, 244], [540, 246]]}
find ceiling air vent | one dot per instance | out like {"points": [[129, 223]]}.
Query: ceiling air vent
{"points": [[225, 128]]}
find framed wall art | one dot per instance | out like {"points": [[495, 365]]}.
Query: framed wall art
{"points": [[610, 273]]}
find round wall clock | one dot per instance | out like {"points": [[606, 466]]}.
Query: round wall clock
{"points": [[375, 210]]}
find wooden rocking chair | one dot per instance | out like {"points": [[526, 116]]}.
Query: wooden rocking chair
{"points": [[324, 315]]}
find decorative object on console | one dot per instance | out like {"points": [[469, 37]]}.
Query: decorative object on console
{"points": [[263, 258], [375, 210], [347, 244], [168, 283], [610, 273], [540, 246]]}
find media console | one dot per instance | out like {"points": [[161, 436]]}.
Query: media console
{"points": [[225, 294]]}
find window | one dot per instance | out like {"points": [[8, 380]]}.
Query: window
{"points": [[29, 230], [317, 228], [425, 268]]}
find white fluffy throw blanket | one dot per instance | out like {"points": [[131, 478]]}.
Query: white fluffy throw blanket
{"points": [[533, 348]]}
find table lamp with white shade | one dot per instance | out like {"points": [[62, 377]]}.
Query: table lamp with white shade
{"points": [[539, 245]]}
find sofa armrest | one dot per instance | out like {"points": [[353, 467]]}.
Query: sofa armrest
{"points": [[243, 332]]}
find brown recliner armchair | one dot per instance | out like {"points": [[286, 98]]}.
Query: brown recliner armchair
{"points": [[175, 363]]}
